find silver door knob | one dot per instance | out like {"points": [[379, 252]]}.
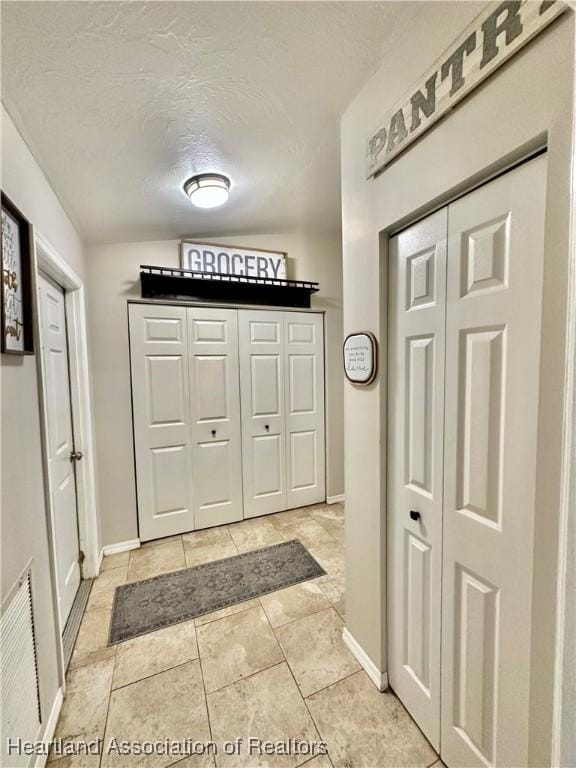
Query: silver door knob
{"points": [[76, 455]]}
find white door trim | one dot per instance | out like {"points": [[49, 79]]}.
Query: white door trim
{"points": [[52, 264], [563, 744]]}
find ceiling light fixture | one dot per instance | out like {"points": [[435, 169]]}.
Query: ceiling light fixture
{"points": [[208, 190]]}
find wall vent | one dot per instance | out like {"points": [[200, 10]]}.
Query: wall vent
{"points": [[20, 714]]}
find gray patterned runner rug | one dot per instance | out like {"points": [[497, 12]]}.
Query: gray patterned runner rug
{"points": [[168, 599]]}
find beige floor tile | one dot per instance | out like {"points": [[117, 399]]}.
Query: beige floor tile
{"points": [[205, 760], [315, 651], [229, 611], [266, 706], [365, 728], [104, 587], [91, 760], [210, 552], [334, 512], [155, 652], [150, 561], [110, 579], [92, 642], [83, 714], [206, 537], [334, 590], [335, 528], [115, 561], [101, 598], [322, 761], [256, 533], [170, 705], [330, 555], [163, 540], [293, 603], [235, 647], [284, 520], [310, 533]]}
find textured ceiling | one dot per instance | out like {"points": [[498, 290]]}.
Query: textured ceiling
{"points": [[120, 102]]}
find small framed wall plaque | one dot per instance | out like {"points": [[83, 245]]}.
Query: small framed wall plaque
{"points": [[361, 357], [16, 291]]}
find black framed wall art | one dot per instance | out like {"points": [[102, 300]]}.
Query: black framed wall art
{"points": [[17, 336]]}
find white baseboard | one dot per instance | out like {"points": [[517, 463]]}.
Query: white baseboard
{"points": [[121, 546], [50, 729], [335, 499], [380, 679]]}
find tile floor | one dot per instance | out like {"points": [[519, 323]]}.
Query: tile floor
{"points": [[273, 668]]}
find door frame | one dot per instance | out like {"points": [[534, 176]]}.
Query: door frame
{"points": [[49, 261], [560, 660]]}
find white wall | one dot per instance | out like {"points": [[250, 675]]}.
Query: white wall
{"points": [[530, 98], [24, 533], [113, 279]]}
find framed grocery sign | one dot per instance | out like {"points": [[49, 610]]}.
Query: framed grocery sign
{"points": [[233, 260], [361, 357], [16, 327]]}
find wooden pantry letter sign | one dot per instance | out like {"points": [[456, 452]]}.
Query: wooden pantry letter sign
{"points": [[233, 260], [360, 357], [492, 38]]}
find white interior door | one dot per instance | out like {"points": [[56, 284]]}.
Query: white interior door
{"points": [[304, 394], [417, 294], [162, 429], [494, 289], [60, 443], [263, 417], [215, 415]]}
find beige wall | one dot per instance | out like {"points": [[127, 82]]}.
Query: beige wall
{"points": [[113, 279], [525, 101], [24, 533]]}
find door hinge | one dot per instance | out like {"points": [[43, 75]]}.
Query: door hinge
{"points": [[81, 557]]}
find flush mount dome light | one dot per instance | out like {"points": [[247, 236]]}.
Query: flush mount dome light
{"points": [[208, 190]]}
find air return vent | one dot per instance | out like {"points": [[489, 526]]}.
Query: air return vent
{"points": [[20, 696]]}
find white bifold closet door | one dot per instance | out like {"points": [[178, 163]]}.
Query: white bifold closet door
{"points": [[186, 418], [304, 398], [215, 409], [282, 392], [417, 316], [465, 321], [493, 322], [262, 388]]}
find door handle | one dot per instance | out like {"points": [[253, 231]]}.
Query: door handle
{"points": [[76, 455], [213, 433], [267, 427], [414, 515]]}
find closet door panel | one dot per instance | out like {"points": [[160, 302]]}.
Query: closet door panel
{"points": [[304, 389], [263, 419], [215, 409], [161, 410], [417, 310], [493, 322]]}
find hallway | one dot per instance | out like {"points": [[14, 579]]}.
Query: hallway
{"points": [[288, 384], [270, 669]]}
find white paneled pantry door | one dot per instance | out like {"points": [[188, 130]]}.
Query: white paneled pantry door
{"points": [[463, 414]]}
